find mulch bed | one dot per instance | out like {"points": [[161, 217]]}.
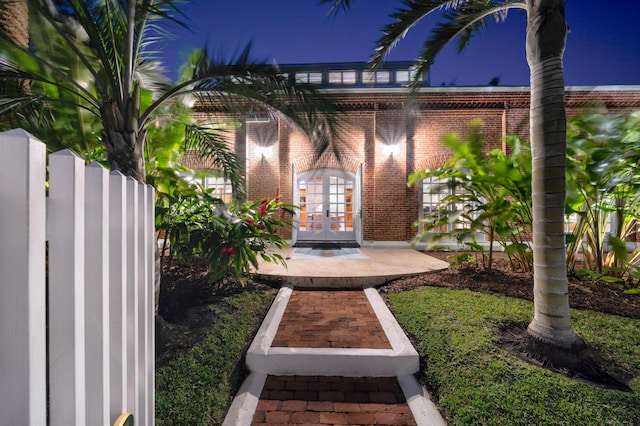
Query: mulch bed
{"points": [[603, 297]]}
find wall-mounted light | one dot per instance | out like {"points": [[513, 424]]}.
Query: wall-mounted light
{"points": [[264, 152], [247, 121], [390, 149]]}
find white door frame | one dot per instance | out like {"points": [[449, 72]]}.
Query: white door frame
{"points": [[338, 218]]}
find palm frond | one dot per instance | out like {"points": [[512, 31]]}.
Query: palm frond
{"points": [[244, 86], [337, 6], [460, 19], [405, 18], [43, 82], [212, 144]]}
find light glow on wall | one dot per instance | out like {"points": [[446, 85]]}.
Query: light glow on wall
{"points": [[390, 150], [264, 152]]}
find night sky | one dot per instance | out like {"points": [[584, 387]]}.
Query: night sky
{"points": [[603, 46]]}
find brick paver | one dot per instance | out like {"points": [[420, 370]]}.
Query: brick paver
{"points": [[309, 400], [330, 319]]}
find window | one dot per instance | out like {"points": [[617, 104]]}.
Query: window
{"points": [[376, 77], [342, 77], [309, 77], [221, 187], [405, 76], [432, 193], [570, 222]]}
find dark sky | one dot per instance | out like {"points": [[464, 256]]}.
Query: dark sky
{"points": [[603, 46]]}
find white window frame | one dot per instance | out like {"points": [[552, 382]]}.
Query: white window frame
{"points": [[425, 191], [343, 77], [219, 183], [376, 77], [309, 77], [405, 77]]}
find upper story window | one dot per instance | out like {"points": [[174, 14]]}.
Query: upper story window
{"points": [[405, 76], [346, 77], [314, 77], [222, 187], [376, 77]]}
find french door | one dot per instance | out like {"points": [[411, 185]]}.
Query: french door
{"points": [[328, 201]]}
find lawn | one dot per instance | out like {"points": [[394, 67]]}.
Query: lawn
{"points": [[476, 383], [195, 387]]}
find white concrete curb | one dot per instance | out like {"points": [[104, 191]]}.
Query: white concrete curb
{"points": [[245, 403], [269, 327], [422, 407]]}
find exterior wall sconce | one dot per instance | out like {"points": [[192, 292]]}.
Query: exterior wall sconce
{"points": [[391, 149], [264, 152]]}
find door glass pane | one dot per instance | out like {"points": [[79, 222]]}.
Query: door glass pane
{"points": [[311, 205], [340, 204]]}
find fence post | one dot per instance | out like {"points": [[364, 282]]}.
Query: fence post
{"points": [[22, 280], [142, 312], [151, 297], [117, 292], [66, 289], [97, 294], [131, 295]]}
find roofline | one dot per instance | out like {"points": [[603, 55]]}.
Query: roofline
{"points": [[344, 65], [469, 89]]}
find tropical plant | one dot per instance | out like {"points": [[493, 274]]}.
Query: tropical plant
{"points": [[230, 237], [489, 193], [545, 43], [121, 80], [116, 79], [603, 151], [247, 231]]}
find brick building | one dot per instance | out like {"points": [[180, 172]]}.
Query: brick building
{"points": [[362, 197]]}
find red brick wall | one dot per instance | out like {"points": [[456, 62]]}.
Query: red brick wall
{"points": [[375, 120]]}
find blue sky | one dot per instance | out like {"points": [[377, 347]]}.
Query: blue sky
{"points": [[603, 45]]}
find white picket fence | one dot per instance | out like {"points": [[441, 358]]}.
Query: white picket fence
{"points": [[98, 305]]}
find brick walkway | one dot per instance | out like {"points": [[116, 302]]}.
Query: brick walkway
{"points": [[296, 400], [330, 319]]}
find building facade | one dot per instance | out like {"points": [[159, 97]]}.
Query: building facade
{"points": [[360, 195]]}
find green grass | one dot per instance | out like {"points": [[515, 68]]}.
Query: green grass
{"points": [[476, 383], [195, 388]]}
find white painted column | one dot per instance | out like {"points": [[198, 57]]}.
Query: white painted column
{"points": [[22, 280], [65, 224], [97, 294]]}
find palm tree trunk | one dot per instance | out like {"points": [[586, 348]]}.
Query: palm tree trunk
{"points": [[546, 37], [123, 139], [14, 20]]}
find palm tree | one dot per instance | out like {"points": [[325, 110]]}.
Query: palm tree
{"points": [[115, 79], [121, 81], [545, 44]]}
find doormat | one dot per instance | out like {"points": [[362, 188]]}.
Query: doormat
{"points": [[326, 245]]}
